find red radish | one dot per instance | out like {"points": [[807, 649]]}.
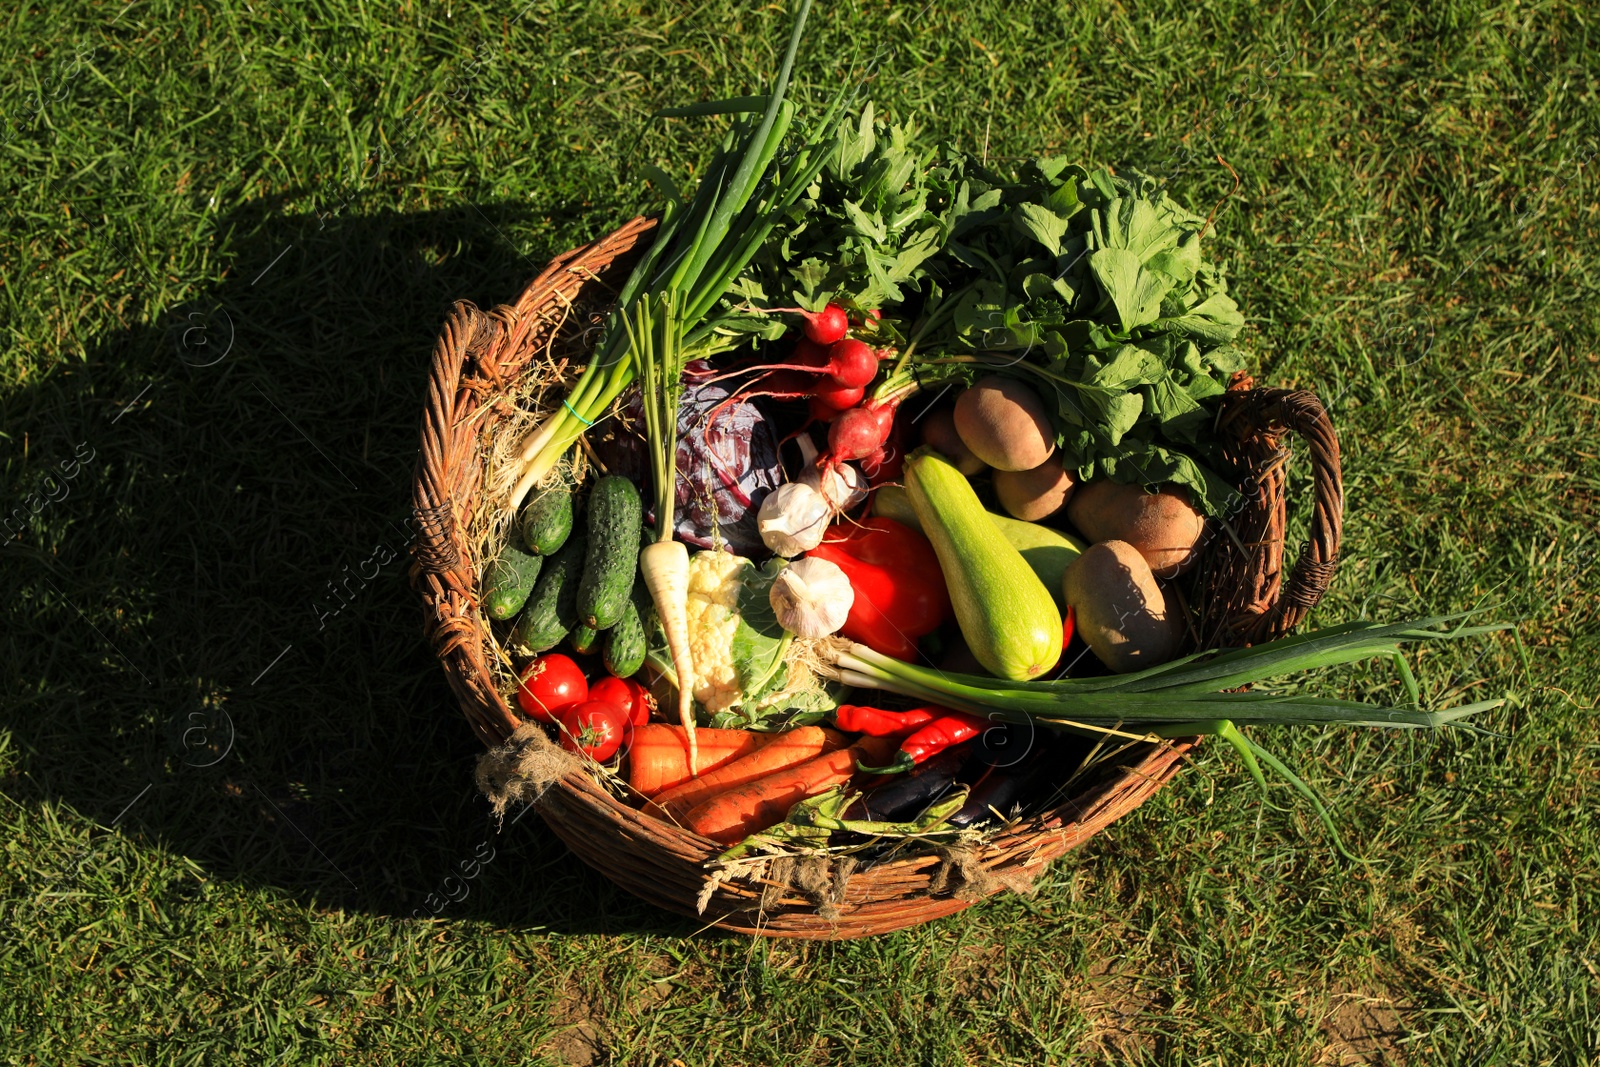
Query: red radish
{"points": [[836, 397], [821, 411], [827, 325], [852, 362], [783, 384], [859, 432], [848, 362], [888, 460]]}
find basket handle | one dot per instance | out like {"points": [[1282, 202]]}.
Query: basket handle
{"points": [[1254, 421]]}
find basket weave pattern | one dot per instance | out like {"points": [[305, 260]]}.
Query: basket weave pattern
{"points": [[1245, 598]]}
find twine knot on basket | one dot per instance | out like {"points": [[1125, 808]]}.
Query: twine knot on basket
{"points": [[962, 874], [523, 768]]}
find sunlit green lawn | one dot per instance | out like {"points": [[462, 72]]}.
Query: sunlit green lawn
{"points": [[232, 231]]}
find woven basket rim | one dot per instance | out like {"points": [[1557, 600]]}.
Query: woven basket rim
{"points": [[479, 357]]}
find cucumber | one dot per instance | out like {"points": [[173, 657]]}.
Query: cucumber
{"points": [[625, 642], [583, 639], [552, 609], [508, 581], [1048, 551], [546, 521], [615, 517], [1008, 617]]}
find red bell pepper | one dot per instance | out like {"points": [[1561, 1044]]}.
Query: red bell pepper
{"points": [[900, 593]]}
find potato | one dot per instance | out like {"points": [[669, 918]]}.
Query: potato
{"points": [[1122, 614], [1004, 423], [1035, 494], [1163, 526], [939, 434]]}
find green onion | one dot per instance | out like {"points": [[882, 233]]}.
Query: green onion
{"points": [[699, 250], [1188, 697]]}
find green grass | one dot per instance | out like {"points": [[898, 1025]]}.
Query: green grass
{"points": [[314, 183]]}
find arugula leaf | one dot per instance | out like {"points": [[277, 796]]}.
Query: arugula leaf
{"points": [[1216, 319], [1044, 225], [1136, 292]]}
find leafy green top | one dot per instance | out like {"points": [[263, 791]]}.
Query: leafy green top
{"points": [[1089, 285]]}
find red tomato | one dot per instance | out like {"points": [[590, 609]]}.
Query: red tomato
{"points": [[634, 699], [595, 728], [550, 684]]}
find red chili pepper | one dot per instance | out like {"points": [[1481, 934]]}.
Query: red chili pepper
{"points": [[1068, 624], [875, 722], [946, 731], [900, 593]]}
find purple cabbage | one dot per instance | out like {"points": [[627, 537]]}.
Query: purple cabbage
{"points": [[725, 469]]}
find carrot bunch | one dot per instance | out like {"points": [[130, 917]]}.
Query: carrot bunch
{"points": [[748, 781]]}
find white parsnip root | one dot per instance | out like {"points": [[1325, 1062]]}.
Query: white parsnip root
{"points": [[664, 566]]}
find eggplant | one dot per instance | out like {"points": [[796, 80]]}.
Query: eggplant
{"points": [[996, 793], [1007, 744], [909, 794]]}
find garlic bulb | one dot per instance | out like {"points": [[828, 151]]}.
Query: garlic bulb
{"points": [[844, 487], [793, 518], [812, 597]]}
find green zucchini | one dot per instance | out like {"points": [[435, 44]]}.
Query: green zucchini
{"points": [[625, 642], [551, 612], [1048, 551], [546, 521], [615, 517], [1008, 617], [508, 581]]}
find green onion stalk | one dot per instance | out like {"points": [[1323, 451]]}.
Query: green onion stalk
{"points": [[1189, 696], [699, 250]]}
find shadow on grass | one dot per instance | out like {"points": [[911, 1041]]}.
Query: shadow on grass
{"points": [[211, 645]]}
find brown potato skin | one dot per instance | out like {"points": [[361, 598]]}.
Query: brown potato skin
{"points": [[1163, 526], [1004, 423], [1122, 613], [939, 434], [1035, 494]]}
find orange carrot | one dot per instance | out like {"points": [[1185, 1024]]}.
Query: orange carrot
{"points": [[658, 759], [730, 817], [783, 751]]}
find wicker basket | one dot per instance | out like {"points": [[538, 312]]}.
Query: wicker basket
{"points": [[1242, 597]]}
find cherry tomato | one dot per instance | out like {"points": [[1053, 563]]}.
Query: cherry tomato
{"points": [[595, 727], [549, 685], [1069, 624], [634, 699]]}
